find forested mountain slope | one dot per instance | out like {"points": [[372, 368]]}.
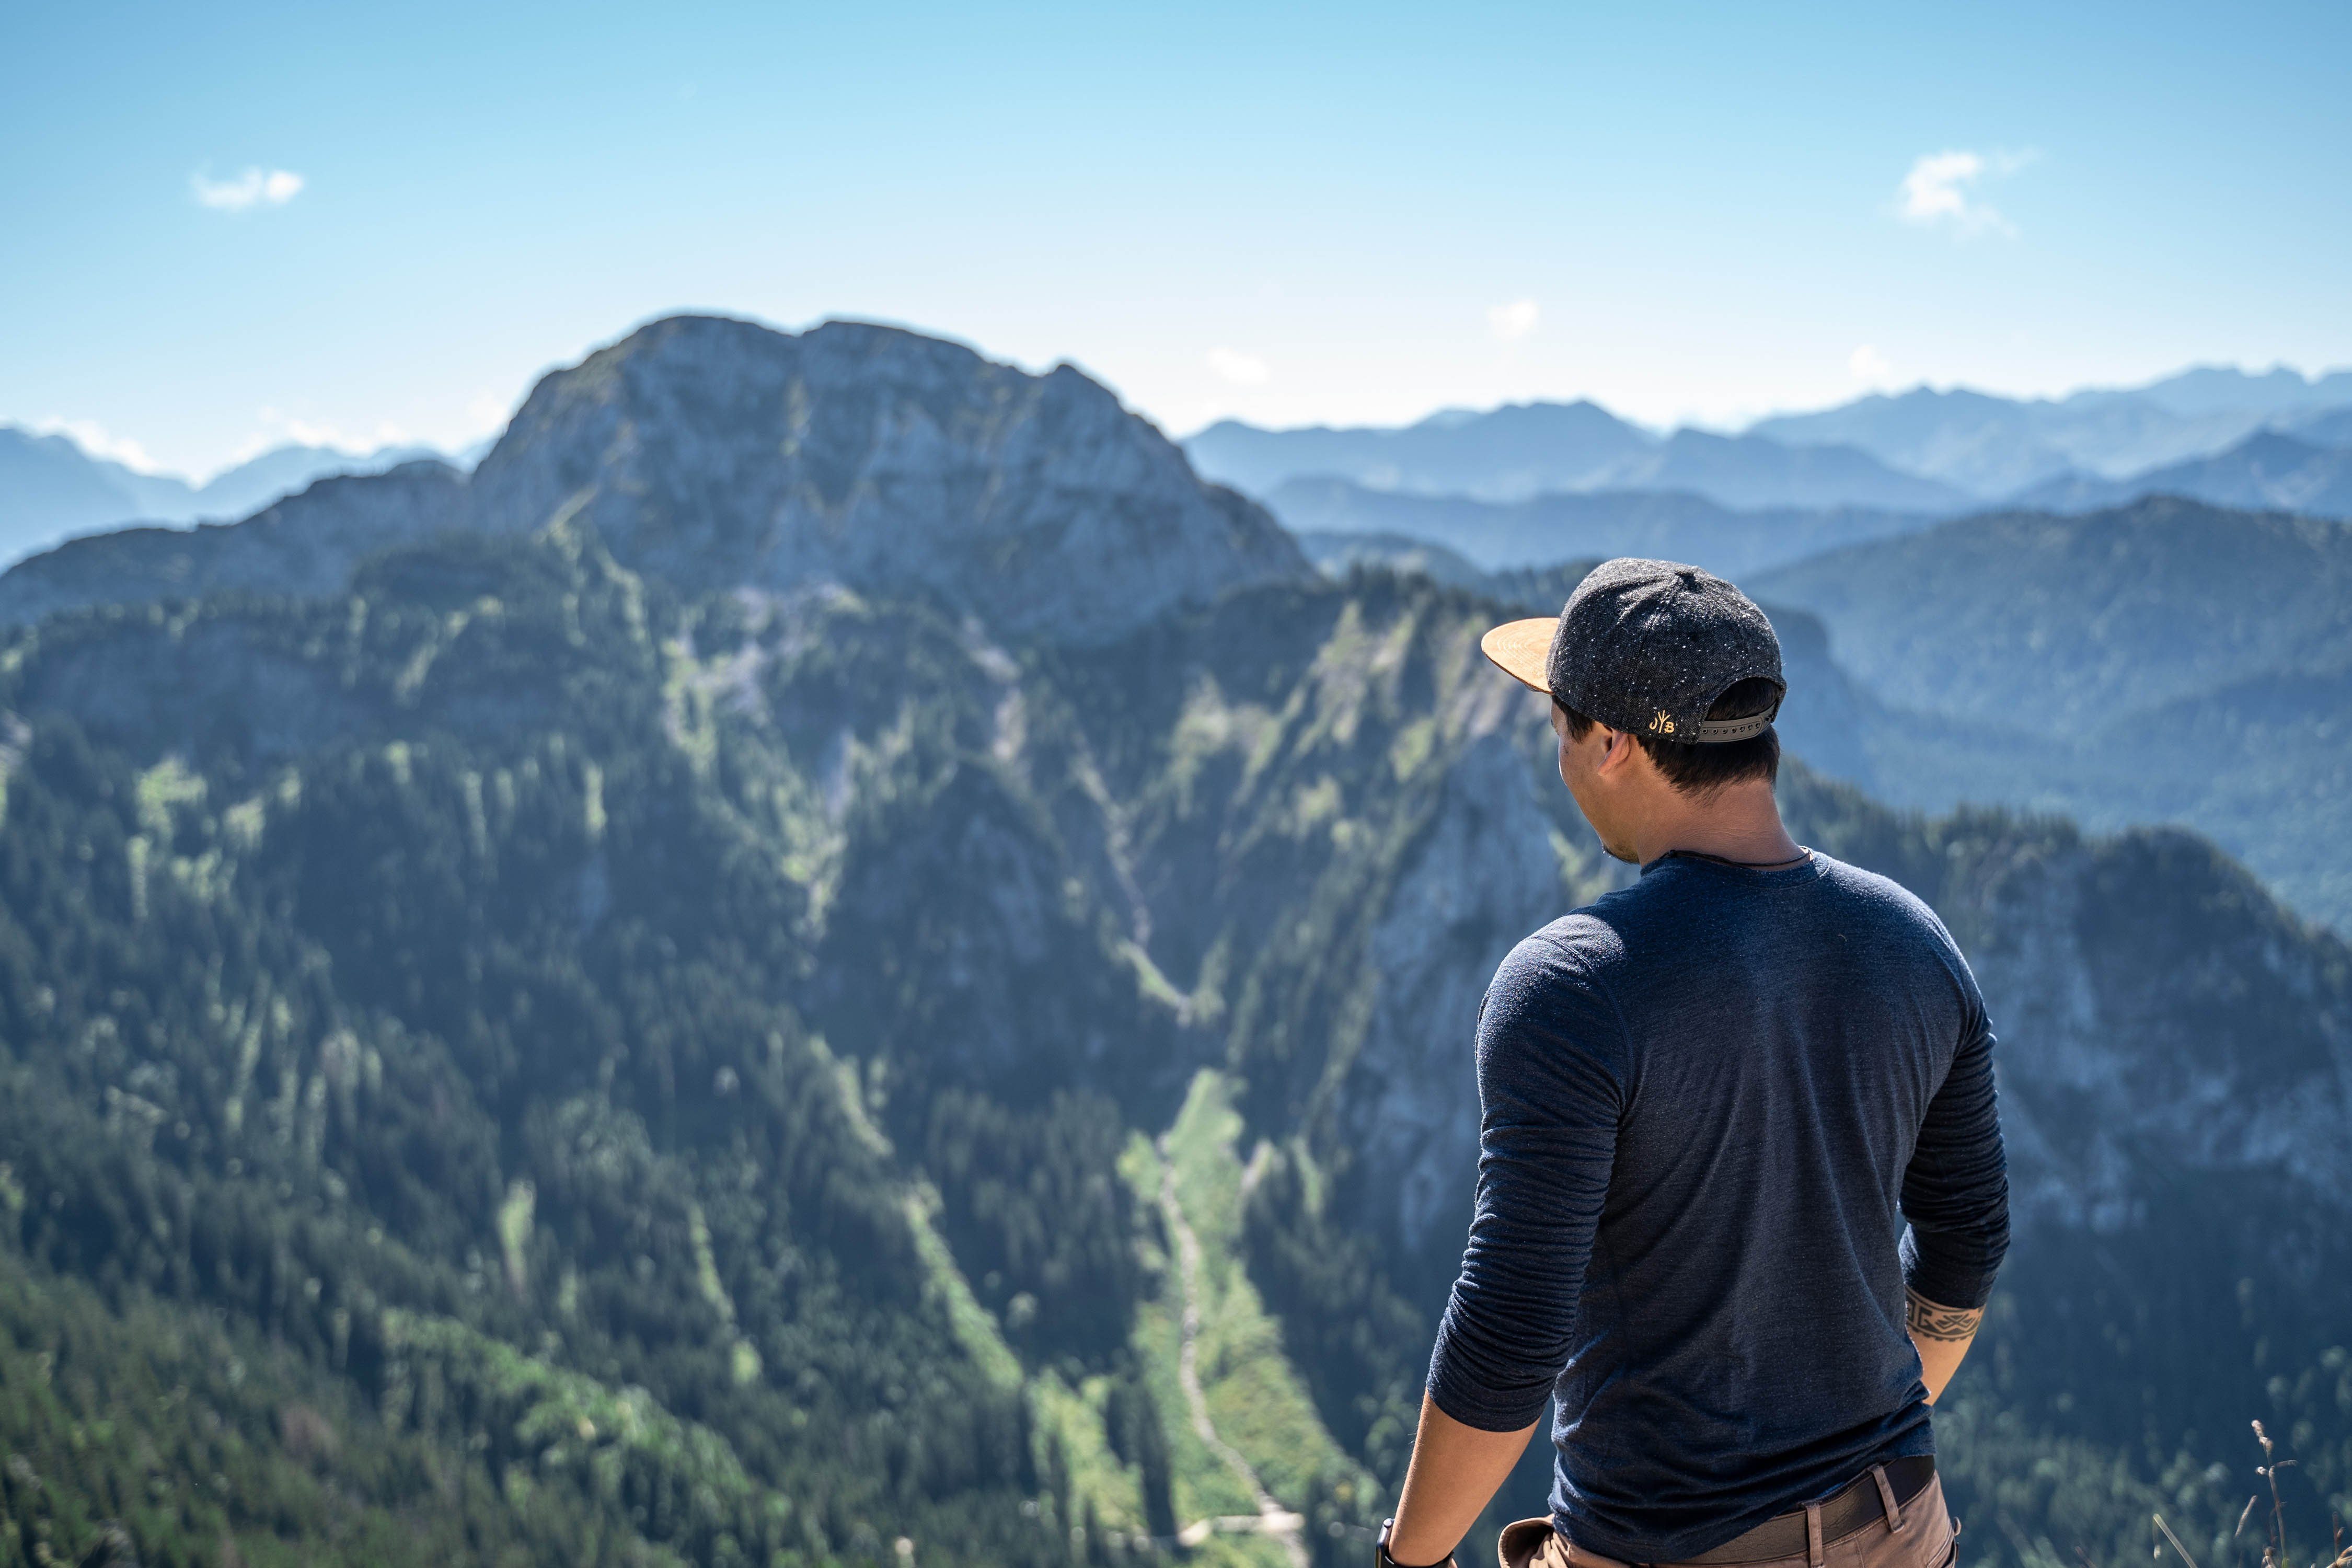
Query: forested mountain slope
{"points": [[2162, 661], [522, 1057]]}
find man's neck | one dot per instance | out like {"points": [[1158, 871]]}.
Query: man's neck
{"points": [[1740, 823]]}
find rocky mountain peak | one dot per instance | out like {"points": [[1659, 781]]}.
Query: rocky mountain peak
{"points": [[717, 453]]}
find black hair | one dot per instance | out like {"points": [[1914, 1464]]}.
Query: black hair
{"points": [[1699, 770]]}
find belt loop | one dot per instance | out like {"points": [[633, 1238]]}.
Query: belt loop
{"points": [[1886, 1500], [1815, 1553]]}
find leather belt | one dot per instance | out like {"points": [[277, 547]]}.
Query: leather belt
{"points": [[1857, 1505]]}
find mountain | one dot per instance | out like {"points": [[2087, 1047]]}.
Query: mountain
{"points": [[1663, 524], [2093, 704], [2060, 624], [715, 452], [2267, 469], [1987, 445], [1837, 725], [1526, 450], [594, 1040], [50, 489], [1506, 454], [1750, 472], [252, 484], [2164, 661], [690, 1072], [2216, 389], [2332, 427], [1997, 446], [305, 544], [1336, 554]]}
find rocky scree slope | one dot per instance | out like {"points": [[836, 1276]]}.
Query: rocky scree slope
{"points": [[712, 453]]}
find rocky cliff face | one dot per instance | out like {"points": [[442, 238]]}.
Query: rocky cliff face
{"points": [[711, 453]]}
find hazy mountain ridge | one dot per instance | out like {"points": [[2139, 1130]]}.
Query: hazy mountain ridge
{"points": [[51, 487], [1997, 446], [1922, 451], [305, 544], [1541, 532], [2266, 470], [1524, 450], [2130, 606], [1516, 450]]}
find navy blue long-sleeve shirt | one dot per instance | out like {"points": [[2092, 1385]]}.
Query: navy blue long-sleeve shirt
{"points": [[1710, 1102]]}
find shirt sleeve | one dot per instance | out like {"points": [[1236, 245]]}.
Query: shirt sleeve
{"points": [[1550, 1045], [1955, 1192]]}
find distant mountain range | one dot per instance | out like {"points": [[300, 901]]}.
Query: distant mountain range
{"points": [[1518, 452], [50, 489], [1927, 452], [1995, 447], [2214, 433], [1673, 525], [2266, 470]]}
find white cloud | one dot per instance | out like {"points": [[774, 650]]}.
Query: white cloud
{"points": [[1516, 319], [255, 187], [93, 438], [1241, 369], [285, 429], [1869, 365], [488, 411], [1946, 188]]}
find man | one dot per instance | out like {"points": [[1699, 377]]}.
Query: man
{"points": [[1710, 1102]]}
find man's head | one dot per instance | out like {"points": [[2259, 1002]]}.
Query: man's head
{"points": [[1664, 680]]}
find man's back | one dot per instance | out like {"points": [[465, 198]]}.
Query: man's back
{"points": [[1705, 1096]]}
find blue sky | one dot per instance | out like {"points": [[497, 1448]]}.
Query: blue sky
{"points": [[227, 225]]}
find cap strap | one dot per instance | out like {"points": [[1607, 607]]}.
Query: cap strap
{"points": [[1713, 732]]}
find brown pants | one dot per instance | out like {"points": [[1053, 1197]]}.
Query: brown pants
{"points": [[1926, 1540]]}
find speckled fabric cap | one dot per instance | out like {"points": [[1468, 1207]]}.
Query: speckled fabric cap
{"points": [[1647, 646]]}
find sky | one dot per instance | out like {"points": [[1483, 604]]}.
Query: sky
{"points": [[226, 226]]}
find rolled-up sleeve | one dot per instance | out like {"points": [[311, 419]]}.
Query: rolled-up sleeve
{"points": [[1955, 1192], [1550, 1052]]}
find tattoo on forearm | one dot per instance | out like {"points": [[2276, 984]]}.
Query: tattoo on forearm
{"points": [[1931, 1321]]}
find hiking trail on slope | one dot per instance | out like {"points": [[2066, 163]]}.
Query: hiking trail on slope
{"points": [[1272, 1519]]}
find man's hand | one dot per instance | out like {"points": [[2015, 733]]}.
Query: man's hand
{"points": [[1941, 1335], [1455, 1472]]}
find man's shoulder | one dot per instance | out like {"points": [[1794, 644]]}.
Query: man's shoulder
{"points": [[1552, 992], [1567, 962], [1580, 945], [1882, 897]]}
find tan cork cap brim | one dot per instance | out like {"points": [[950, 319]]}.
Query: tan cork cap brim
{"points": [[1522, 650]]}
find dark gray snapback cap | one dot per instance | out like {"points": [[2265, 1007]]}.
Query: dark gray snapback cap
{"points": [[1647, 646]]}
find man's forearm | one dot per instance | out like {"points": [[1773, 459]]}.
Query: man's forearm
{"points": [[1455, 1472], [1941, 1335]]}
